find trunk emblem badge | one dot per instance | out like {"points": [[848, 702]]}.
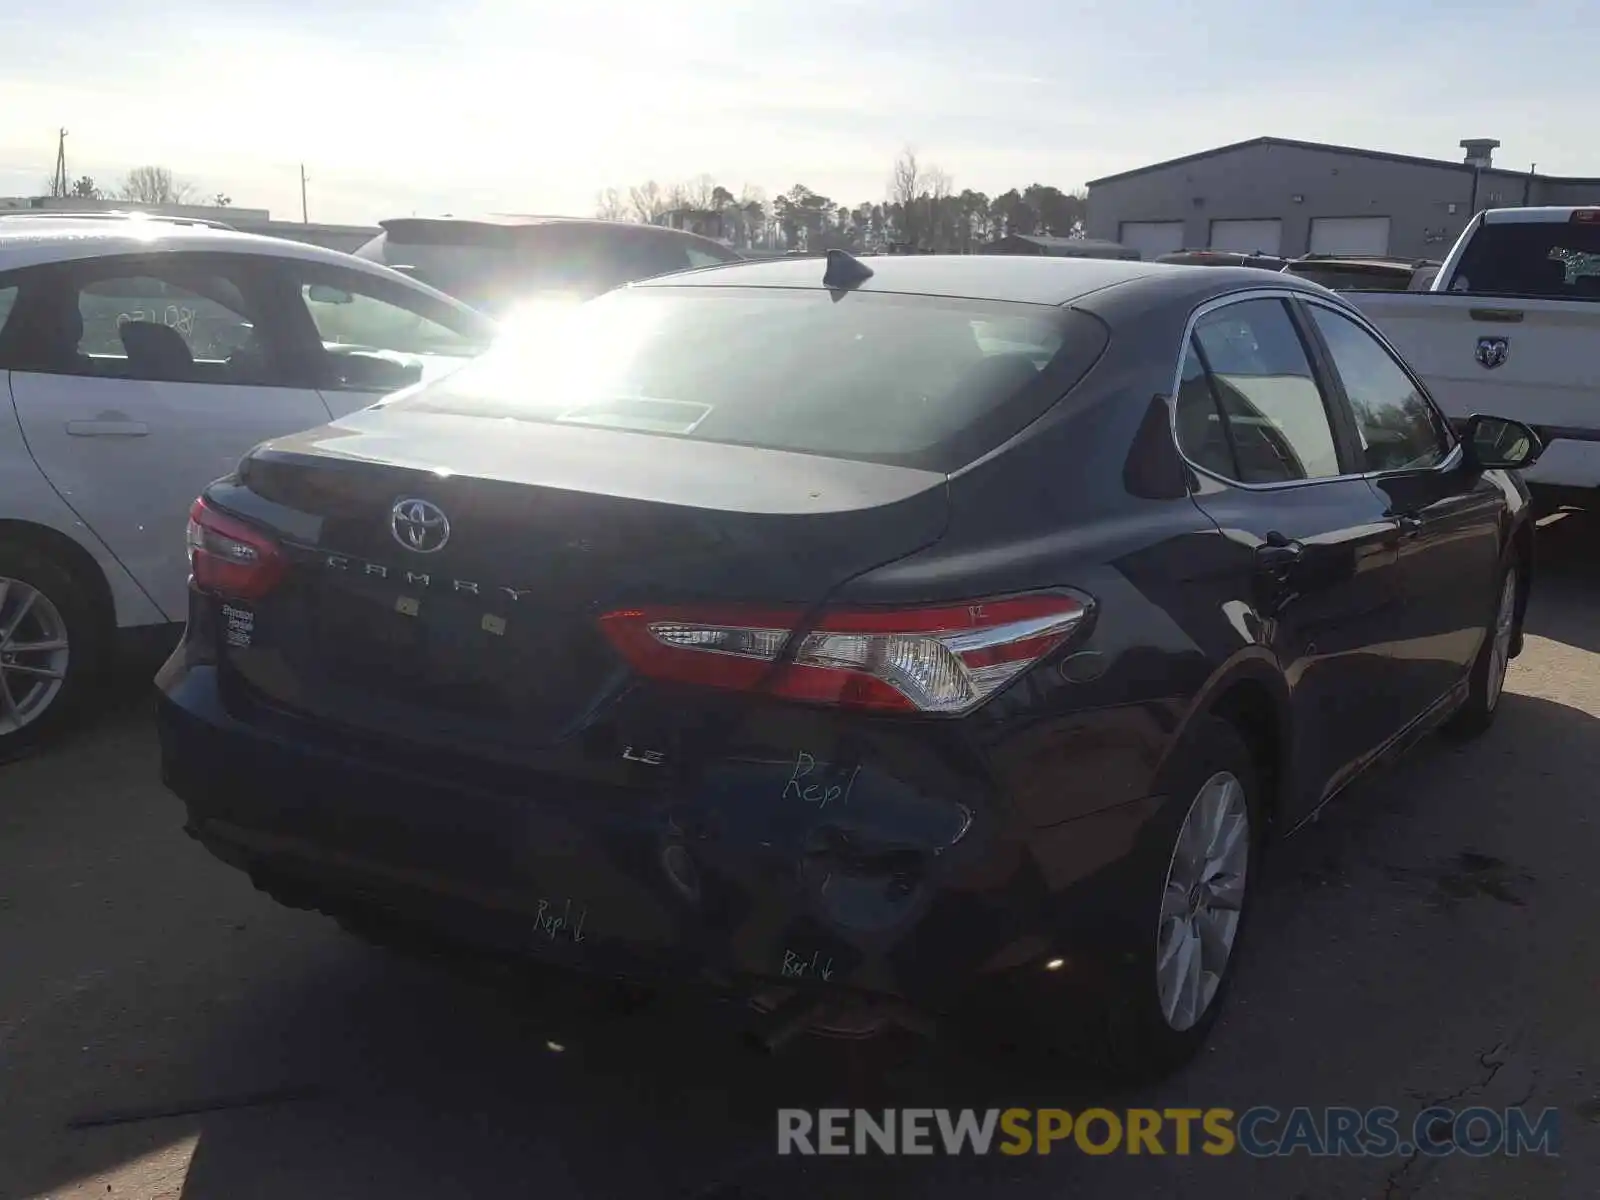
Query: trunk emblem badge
{"points": [[419, 525]]}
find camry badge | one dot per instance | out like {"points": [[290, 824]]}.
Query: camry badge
{"points": [[419, 526]]}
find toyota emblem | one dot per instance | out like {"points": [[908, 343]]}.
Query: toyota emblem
{"points": [[419, 526]]}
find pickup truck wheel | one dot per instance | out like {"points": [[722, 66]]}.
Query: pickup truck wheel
{"points": [[1486, 684], [47, 642]]}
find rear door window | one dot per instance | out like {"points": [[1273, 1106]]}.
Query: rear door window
{"points": [[172, 318], [1202, 434], [209, 314], [914, 380], [1267, 396], [1539, 260]]}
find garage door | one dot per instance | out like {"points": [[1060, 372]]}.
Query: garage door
{"points": [[1350, 235], [1264, 237], [1152, 239]]}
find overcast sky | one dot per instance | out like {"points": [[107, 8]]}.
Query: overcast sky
{"points": [[532, 106]]}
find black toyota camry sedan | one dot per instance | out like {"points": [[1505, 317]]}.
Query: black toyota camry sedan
{"points": [[940, 637]]}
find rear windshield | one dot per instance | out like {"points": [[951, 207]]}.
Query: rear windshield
{"points": [[908, 380], [498, 268], [1539, 260], [476, 264], [1362, 279]]}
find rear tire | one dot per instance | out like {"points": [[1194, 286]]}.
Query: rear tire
{"points": [[51, 642], [1194, 881], [1486, 683]]}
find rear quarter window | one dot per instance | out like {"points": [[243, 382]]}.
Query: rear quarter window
{"points": [[906, 380]]}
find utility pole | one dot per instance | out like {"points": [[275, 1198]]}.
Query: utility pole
{"points": [[304, 219], [58, 181]]}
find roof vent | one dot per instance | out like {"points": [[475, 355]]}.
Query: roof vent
{"points": [[1480, 151]]}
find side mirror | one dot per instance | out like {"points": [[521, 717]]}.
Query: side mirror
{"points": [[1499, 444]]}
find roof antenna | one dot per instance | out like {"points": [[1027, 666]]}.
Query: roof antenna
{"points": [[844, 271]]}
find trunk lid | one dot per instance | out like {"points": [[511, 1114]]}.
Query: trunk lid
{"points": [[488, 637]]}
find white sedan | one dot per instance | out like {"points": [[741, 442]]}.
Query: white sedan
{"points": [[139, 360]]}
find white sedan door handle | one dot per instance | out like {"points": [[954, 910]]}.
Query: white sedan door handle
{"points": [[108, 425]]}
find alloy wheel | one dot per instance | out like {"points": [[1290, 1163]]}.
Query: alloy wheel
{"points": [[33, 654], [1505, 620], [1202, 901]]}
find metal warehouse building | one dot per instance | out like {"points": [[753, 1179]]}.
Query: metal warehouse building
{"points": [[1278, 196]]}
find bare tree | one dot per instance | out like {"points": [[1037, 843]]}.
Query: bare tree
{"points": [[905, 186], [155, 185], [937, 185], [753, 216], [649, 202], [610, 206], [84, 188], [699, 193]]}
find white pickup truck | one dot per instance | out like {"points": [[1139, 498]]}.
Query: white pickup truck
{"points": [[1511, 326]]}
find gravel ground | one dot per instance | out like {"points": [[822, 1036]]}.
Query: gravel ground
{"points": [[166, 1031]]}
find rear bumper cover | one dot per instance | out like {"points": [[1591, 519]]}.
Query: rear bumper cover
{"points": [[652, 891]]}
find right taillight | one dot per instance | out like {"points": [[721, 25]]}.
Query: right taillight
{"points": [[228, 557], [945, 659]]}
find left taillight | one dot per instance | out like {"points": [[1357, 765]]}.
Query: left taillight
{"points": [[944, 660], [229, 558]]}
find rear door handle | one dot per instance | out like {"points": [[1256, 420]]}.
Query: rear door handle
{"points": [[104, 427], [1278, 554]]}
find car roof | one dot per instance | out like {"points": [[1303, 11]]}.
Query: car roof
{"points": [[41, 240], [1025, 279], [514, 221], [519, 219]]}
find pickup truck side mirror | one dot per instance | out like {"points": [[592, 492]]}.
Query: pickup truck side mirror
{"points": [[1499, 444]]}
